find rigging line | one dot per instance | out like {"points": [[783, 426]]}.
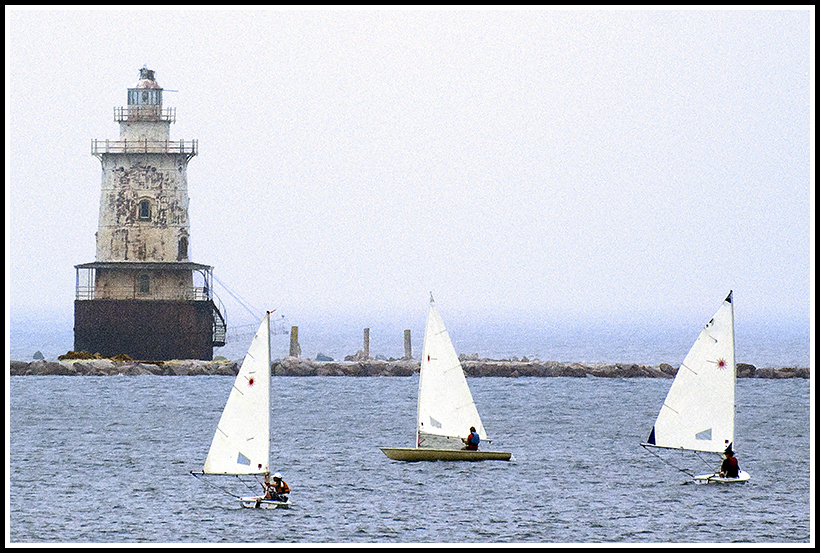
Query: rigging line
{"points": [[234, 296], [246, 484], [213, 485], [667, 462], [697, 454]]}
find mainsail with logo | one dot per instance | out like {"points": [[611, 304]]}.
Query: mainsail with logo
{"points": [[699, 410], [241, 443], [698, 413]]}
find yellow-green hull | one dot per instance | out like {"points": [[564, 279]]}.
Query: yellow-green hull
{"points": [[428, 454]]}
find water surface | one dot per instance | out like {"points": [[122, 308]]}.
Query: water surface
{"points": [[107, 460]]}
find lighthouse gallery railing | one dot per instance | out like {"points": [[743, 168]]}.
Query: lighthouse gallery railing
{"points": [[182, 147]]}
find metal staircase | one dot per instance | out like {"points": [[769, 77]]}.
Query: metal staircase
{"points": [[220, 325]]}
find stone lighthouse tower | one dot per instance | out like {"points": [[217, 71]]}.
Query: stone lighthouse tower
{"points": [[143, 296]]}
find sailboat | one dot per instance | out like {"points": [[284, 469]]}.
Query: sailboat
{"points": [[698, 413], [446, 410], [241, 443]]}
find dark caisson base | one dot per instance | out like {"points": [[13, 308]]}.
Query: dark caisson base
{"points": [[145, 330]]}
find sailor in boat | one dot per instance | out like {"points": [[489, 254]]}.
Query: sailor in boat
{"points": [[729, 468], [471, 442], [277, 490]]}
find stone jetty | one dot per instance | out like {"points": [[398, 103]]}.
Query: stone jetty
{"points": [[84, 363], [364, 365], [109, 367]]}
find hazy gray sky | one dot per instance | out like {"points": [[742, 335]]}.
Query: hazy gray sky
{"points": [[571, 163]]}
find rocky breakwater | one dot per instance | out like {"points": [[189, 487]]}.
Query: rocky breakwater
{"points": [[294, 366], [360, 365], [111, 367], [474, 366]]}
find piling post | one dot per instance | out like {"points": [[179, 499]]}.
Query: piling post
{"points": [[408, 350], [295, 350]]}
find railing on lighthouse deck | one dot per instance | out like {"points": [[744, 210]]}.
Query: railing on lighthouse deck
{"points": [[87, 288], [188, 148]]}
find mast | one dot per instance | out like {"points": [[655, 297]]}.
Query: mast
{"points": [[423, 353], [734, 364]]}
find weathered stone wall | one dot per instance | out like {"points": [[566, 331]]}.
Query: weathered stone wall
{"points": [[128, 179]]}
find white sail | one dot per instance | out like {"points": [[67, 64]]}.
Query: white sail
{"points": [[699, 411], [241, 444], [445, 405]]}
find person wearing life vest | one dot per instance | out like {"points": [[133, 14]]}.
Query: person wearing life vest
{"points": [[729, 468], [471, 442], [276, 490]]}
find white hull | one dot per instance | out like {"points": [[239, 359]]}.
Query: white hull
{"points": [[713, 478], [258, 502]]}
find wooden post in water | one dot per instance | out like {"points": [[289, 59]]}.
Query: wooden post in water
{"points": [[366, 347], [295, 350], [408, 351]]}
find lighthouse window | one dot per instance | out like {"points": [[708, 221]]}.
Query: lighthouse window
{"points": [[182, 249], [144, 210], [145, 284]]}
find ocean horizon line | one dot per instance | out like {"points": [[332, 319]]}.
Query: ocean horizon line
{"points": [[760, 345]]}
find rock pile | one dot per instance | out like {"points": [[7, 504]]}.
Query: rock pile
{"points": [[292, 366], [109, 367], [366, 366]]}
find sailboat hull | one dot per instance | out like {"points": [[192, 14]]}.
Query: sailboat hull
{"points": [[258, 502], [427, 454], [713, 478]]}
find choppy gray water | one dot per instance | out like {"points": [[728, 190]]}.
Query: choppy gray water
{"points": [[107, 459]]}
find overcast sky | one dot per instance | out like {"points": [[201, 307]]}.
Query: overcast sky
{"points": [[600, 165]]}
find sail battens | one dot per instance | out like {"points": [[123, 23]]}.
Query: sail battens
{"points": [[688, 368], [703, 394], [242, 436], [670, 408], [444, 396]]}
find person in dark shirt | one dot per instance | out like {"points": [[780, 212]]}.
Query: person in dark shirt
{"points": [[729, 468]]}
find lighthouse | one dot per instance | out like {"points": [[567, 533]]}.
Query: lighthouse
{"points": [[143, 296]]}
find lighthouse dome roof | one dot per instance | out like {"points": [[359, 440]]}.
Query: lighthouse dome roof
{"points": [[147, 79]]}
